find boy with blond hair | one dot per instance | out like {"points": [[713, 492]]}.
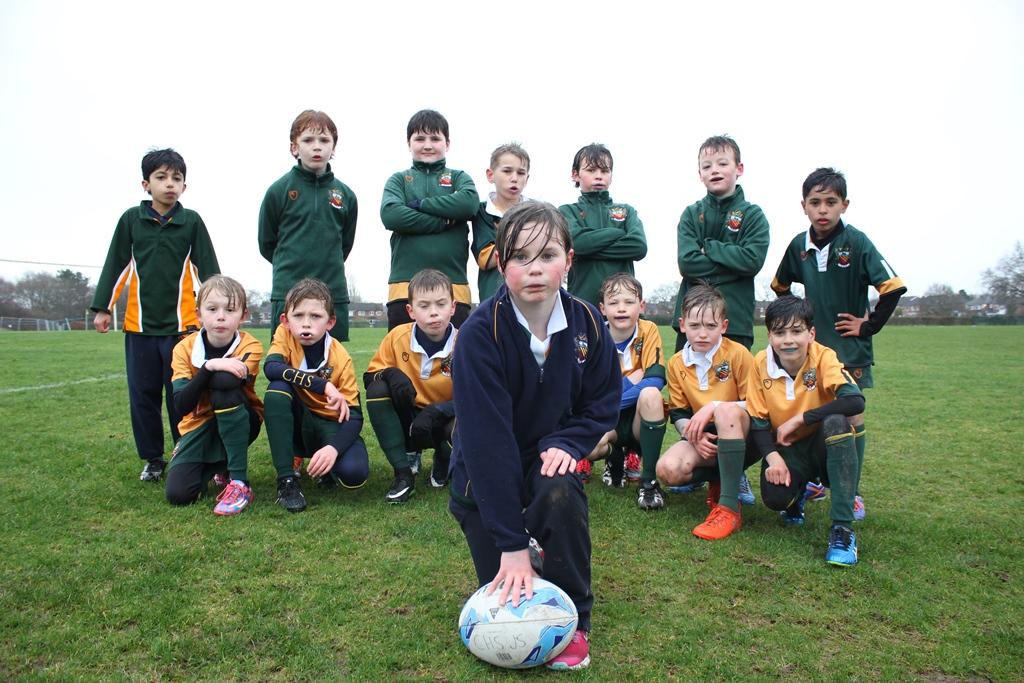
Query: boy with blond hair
{"points": [[427, 208], [707, 383], [409, 385], [607, 236], [312, 401], [722, 239], [509, 171], [307, 222], [800, 400], [213, 374], [160, 252], [641, 423]]}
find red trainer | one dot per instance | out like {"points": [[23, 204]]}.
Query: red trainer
{"points": [[583, 468], [633, 466], [714, 493], [575, 656]]}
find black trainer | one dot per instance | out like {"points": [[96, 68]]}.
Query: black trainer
{"points": [[153, 470], [614, 474], [401, 488], [650, 496], [439, 472], [289, 495]]}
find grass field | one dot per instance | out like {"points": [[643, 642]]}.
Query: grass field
{"points": [[101, 579]]}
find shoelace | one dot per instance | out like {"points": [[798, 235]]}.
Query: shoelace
{"points": [[231, 494], [840, 537], [718, 516]]}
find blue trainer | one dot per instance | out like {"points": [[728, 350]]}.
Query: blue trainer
{"points": [[816, 491], [859, 511], [746, 496], [842, 546], [794, 514], [687, 488]]}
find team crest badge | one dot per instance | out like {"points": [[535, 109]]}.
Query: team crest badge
{"points": [[445, 179], [766, 383], [335, 198], [293, 195], [857, 373], [734, 220], [843, 257], [722, 371], [803, 255], [581, 348], [810, 379], [638, 345], [405, 356], [325, 372], [617, 213], [446, 366], [700, 218]]}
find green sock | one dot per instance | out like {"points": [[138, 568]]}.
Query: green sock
{"points": [[860, 441], [280, 421], [842, 475], [233, 427], [388, 429], [730, 467], [651, 436]]}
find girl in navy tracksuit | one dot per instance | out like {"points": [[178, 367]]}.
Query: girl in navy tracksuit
{"points": [[537, 384]]}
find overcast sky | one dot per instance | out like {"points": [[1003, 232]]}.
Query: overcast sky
{"points": [[920, 104]]}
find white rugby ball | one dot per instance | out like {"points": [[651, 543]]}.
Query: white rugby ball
{"points": [[518, 637]]}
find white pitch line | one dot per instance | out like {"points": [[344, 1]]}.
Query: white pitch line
{"points": [[58, 385]]}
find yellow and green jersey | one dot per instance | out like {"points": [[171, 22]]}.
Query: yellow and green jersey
{"points": [[695, 379], [431, 375], [336, 368]]}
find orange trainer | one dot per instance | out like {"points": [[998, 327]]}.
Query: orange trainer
{"points": [[721, 522]]}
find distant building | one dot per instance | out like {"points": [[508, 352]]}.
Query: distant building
{"points": [[985, 305]]}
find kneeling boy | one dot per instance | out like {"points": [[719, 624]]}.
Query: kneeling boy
{"points": [[213, 372], [312, 399], [409, 385], [797, 384], [641, 408], [707, 383]]}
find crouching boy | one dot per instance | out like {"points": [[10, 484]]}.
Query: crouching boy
{"points": [[799, 390], [312, 399]]}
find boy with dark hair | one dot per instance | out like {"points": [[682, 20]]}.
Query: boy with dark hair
{"points": [[641, 423], [214, 374], [707, 384], [307, 222], [607, 236], [409, 385], [427, 209], [508, 171], [796, 384], [722, 239], [161, 252], [312, 401], [835, 262]]}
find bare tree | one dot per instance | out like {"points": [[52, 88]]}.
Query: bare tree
{"points": [[64, 295], [1005, 282]]}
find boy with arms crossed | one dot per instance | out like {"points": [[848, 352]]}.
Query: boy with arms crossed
{"points": [[835, 262], [641, 408], [161, 252], [409, 385], [607, 236], [707, 384], [722, 239], [312, 401], [796, 384], [536, 386], [214, 371], [508, 172], [308, 219], [427, 209]]}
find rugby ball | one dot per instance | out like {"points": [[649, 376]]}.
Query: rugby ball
{"points": [[518, 637]]}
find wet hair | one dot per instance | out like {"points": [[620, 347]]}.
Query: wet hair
{"points": [[787, 310], [157, 158], [229, 287], [513, 148], [318, 121], [309, 288], [428, 280], [594, 154], [427, 121], [524, 215], [826, 180], [621, 282], [717, 143], [703, 297]]}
